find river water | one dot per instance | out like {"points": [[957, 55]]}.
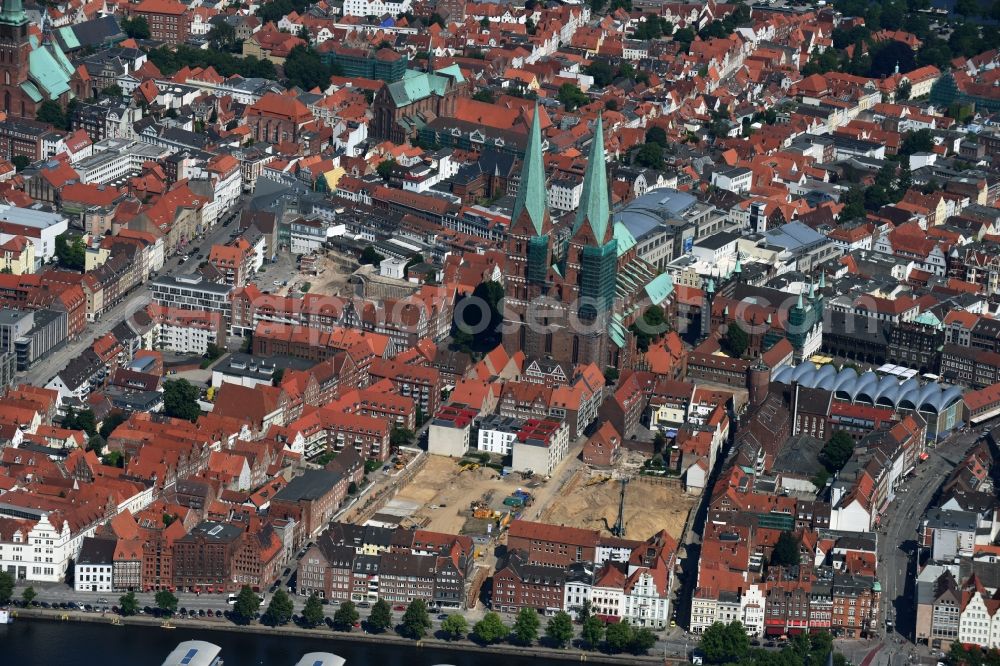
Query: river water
{"points": [[44, 643]]}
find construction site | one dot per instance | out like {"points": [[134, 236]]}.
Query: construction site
{"points": [[593, 501], [329, 272], [466, 498]]}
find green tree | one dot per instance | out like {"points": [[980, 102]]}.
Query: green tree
{"points": [[854, 204], [352, 488], [246, 606], [837, 451], [385, 167], [346, 616], [114, 459], [611, 375], [559, 629], [526, 626], [380, 618], [136, 28], [643, 640], [20, 162], [601, 71], [28, 595], [735, 341], [477, 326], [128, 604], [277, 376], [571, 97], [484, 95], [280, 610], [684, 37], [725, 643], [592, 631], [786, 550], [455, 627], [81, 420], [6, 587], [112, 421], [166, 602], [180, 399], [113, 90], [169, 60], [657, 135], [619, 635], [490, 629], [304, 68], [416, 620], [401, 436], [903, 91], [312, 613], [222, 36], [921, 141], [650, 156], [370, 256], [70, 252]]}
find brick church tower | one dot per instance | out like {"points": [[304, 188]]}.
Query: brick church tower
{"points": [[31, 72], [529, 252], [15, 54], [574, 302]]}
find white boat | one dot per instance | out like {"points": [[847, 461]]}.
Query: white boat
{"points": [[6, 617], [194, 653], [320, 659]]}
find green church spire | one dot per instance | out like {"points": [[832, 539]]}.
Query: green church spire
{"points": [[13, 12], [531, 192], [594, 208]]}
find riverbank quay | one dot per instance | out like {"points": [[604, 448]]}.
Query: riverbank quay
{"points": [[568, 655]]}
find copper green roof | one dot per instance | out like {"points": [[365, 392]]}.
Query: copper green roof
{"points": [[69, 37], [13, 12], [46, 70], [31, 91], [660, 288], [594, 208], [626, 241], [616, 330], [531, 191], [416, 85]]}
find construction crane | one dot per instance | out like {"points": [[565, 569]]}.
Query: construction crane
{"points": [[619, 529]]}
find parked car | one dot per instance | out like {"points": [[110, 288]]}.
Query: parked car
{"points": [[399, 608]]}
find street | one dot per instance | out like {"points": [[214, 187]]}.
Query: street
{"points": [[897, 553], [41, 372]]}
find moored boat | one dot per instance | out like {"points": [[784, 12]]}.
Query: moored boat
{"points": [[320, 659], [194, 653]]}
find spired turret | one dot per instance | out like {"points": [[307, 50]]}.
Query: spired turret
{"points": [[530, 207], [595, 210]]}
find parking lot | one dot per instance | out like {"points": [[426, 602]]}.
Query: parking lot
{"points": [[279, 276]]}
